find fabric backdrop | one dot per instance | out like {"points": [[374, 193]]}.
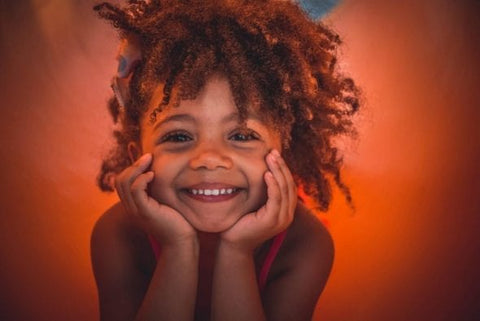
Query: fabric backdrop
{"points": [[409, 252]]}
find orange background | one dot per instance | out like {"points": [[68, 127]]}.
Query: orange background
{"points": [[409, 252]]}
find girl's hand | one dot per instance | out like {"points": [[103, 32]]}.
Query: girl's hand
{"points": [[275, 216], [167, 225]]}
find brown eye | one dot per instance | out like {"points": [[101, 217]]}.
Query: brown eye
{"points": [[244, 136], [176, 137]]}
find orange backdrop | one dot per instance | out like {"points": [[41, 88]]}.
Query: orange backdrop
{"points": [[409, 252]]}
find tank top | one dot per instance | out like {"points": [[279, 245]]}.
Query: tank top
{"points": [[266, 264]]}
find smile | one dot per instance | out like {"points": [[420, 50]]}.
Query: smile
{"points": [[212, 193]]}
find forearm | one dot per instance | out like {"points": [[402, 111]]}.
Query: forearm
{"points": [[235, 294], [173, 288]]}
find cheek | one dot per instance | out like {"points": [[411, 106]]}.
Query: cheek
{"points": [[254, 163], [254, 168], [258, 169], [165, 172]]}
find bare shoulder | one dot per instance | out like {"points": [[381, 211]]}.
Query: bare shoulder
{"points": [[109, 225], [116, 239], [122, 263], [301, 269], [115, 230], [308, 244], [307, 228]]}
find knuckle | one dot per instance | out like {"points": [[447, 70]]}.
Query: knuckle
{"points": [[124, 173], [284, 188], [136, 164], [122, 179], [277, 199], [136, 189]]}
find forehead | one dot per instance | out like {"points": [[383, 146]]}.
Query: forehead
{"points": [[214, 100]]}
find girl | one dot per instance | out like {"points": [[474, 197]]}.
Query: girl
{"points": [[225, 107]]}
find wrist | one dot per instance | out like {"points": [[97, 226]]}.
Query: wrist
{"points": [[180, 247], [235, 250]]}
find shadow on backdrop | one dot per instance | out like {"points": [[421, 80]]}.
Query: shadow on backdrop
{"points": [[410, 252]]}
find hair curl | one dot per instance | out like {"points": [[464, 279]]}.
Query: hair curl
{"points": [[275, 58]]}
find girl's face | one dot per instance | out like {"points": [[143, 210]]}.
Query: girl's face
{"points": [[207, 166]]}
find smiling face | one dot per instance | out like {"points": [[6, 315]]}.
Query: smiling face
{"points": [[207, 165]]}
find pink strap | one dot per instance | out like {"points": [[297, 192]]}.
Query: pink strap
{"points": [[272, 254], [155, 246]]}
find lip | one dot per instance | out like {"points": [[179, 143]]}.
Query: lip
{"points": [[212, 192]]}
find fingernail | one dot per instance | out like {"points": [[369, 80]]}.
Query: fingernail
{"points": [[275, 153]]}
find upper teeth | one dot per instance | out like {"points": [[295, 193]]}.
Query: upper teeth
{"points": [[207, 192]]}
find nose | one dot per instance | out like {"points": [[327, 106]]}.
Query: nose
{"points": [[210, 158]]}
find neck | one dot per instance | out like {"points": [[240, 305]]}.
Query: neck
{"points": [[208, 239]]}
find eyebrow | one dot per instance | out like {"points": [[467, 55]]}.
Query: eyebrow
{"points": [[176, 117], [189, 118]]}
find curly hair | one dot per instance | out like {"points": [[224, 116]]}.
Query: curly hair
{"points": [[274, 57]]}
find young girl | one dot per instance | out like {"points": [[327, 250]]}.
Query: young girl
{"points": [[225, 107]]}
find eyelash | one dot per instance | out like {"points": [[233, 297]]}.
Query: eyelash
{"points": [[247, 135], [183, 137], [176, 137]]}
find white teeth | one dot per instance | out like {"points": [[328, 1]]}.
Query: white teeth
{"points": [[214, 192]]}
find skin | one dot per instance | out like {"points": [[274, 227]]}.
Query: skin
{"points": [[211, 246]]}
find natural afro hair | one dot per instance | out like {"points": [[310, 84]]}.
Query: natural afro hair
{"points": [[275, 58]]}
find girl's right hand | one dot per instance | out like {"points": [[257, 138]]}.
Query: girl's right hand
{"points": [[167, 225]]}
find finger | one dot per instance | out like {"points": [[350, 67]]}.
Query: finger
{"points": [[140, 166], [274, 197], [291, 186], [124, 182], [139, 192], [274, 165], [122, 194], [129, 175]]}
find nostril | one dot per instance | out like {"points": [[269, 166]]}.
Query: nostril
{"points": [[211, 160]]}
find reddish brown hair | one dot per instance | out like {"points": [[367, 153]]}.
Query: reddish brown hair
{"points": [[274, 57]]}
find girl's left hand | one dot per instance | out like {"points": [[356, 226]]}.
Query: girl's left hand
{"points": [[273, 217]]}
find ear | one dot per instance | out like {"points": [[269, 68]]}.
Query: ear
{"points": [[134, 151]]}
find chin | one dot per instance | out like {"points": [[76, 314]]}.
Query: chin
{"points": [[212, 226]]}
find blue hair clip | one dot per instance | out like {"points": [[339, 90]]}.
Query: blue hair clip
{"points": [[129, 55], [317, 8]]}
